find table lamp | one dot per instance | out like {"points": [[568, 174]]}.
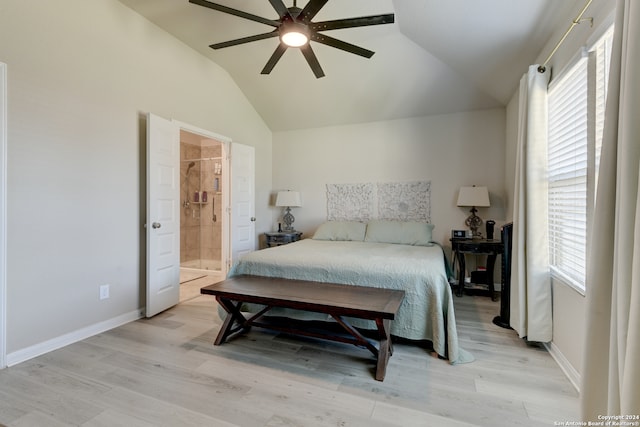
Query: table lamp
{"points": [[474, 197], [288, 199]]}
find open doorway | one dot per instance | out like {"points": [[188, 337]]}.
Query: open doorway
{"points": [[165, 199], [203, 179]]}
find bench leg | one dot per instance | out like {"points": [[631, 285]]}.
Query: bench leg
{"points": [[359, 338], [233, 315], [385, 349]]}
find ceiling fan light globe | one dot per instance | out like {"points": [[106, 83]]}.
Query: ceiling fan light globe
{"points": [[294, 34], [294, 39]]}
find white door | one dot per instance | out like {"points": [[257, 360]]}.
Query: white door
{"points": [[163, 216], [243, 229]]}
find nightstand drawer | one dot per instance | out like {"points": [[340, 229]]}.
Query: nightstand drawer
{"points": [[471, 248], [282, 238], [480, 247]]}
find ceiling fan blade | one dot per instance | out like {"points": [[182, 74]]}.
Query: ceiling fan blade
{"points": [[362, 21], [236, 12], [311, 9], [339, 44], [312, 60], [244, 40], [279, 6], [274, 58]]}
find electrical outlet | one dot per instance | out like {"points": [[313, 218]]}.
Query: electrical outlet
{"points": [[104, 292]]}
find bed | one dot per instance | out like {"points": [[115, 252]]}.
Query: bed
{"points": [[386, 254]]}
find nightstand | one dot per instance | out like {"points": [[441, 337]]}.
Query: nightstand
{"points": [[491, 248], [278, 238]]}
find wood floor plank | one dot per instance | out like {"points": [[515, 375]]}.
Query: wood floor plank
{"points": [[157, 412], [25, 393], [112, 418], [219, 401], [297, 401], [10, 410], [38, 419], [397, 415]]}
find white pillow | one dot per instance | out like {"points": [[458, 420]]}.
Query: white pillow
{"points": [[405, 233], [341, 230]]}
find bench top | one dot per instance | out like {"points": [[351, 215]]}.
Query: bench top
{"points": [[332, 298]]}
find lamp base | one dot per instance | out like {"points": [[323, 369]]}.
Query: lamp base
{"points": [[474, 222], [288, 220]]}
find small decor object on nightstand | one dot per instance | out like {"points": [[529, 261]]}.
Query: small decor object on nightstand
{"points": [[490, 227], [474, 197], [282, 238], [288, 199]]}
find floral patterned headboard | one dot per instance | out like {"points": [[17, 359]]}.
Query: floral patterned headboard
{"points": [[401, 201]]}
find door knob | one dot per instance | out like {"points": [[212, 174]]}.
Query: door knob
{"points": [[253, 219], [156, 225]]}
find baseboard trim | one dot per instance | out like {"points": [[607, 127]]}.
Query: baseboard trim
{"points": [[70, 338], [565, 365]]}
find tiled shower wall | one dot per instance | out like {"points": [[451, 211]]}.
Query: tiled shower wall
{"points": [[200, 231]]}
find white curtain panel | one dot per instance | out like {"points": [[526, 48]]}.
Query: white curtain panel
{"points": [[611, 368], [530, 278]]}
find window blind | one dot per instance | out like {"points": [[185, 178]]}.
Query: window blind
{"points": [[567, 174]]}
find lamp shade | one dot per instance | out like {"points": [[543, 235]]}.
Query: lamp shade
{"points": [[288, 198], [474, 196]]}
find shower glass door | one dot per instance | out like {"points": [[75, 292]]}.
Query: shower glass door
{"points": [[201, 199]]}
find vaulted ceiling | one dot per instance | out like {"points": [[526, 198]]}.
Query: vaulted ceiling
{"points": [[440, 56]]}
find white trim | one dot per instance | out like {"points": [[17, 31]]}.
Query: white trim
{"points": [[70, 338], [194, 129], [581, 54], [566, 366], [565, 280], [3, 215]]}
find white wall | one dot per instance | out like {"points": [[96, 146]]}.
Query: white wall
{"points": [[568, 305], [81, 76], [449, 150]]}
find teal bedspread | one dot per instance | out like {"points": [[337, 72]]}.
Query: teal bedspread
{"points": [[427, 311]]}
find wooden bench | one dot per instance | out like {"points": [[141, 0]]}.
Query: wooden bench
{"points": [[338, 301]]}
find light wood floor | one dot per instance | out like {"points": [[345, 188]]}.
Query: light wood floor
{"points": [[166, 372], [190, 284]]}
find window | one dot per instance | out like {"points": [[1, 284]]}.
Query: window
{"points": [[576, 117], [567, 174]]}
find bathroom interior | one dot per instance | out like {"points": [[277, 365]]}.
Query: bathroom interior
{"points": [[201, 211]]}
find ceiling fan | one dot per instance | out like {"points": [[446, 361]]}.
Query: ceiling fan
{"points": [[296, 29]]}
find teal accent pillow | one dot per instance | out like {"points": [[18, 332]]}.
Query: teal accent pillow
{"points": [[400, 232], [341, 230]]}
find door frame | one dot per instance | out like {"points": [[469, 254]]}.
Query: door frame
{"points": [[3, 215], [226, 188]]}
